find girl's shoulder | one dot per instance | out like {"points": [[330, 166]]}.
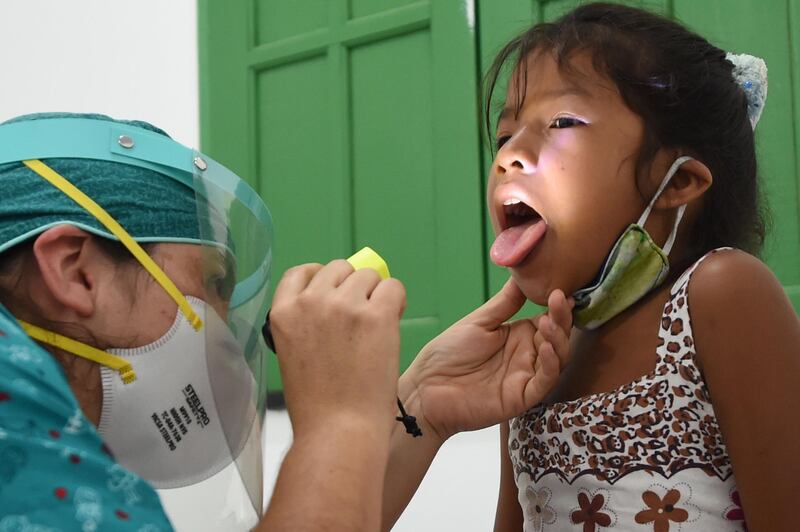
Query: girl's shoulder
{"points": [[734, 277], [747, 341], [739, 308]]}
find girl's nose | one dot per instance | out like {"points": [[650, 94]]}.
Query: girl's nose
{"points": [[514, 157]]}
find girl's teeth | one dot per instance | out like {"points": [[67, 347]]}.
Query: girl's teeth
{"points": [[512, 201]]}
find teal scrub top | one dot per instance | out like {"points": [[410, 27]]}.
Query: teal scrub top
{"points": [[55, 471]]}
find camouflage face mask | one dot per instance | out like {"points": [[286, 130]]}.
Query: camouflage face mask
{"points": [[635, 266]]}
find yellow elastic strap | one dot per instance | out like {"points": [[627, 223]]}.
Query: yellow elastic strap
{"points": [[122, 366], [75, 194]]}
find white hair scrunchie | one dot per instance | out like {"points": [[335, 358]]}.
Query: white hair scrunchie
{"points": [[751, 74]]}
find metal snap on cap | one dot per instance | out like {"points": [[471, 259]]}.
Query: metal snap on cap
{"points": [[200, 163], [125, 141]]}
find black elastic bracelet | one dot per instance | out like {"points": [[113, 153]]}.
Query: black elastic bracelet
{"points": [[409, 422], [266, 332]]}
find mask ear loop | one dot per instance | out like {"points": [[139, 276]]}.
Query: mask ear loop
{"points": [[76, 195], [119, 364], [643, 218]]}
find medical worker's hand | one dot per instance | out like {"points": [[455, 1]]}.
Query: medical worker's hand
{"points": [[483, 371], [337, 335]]}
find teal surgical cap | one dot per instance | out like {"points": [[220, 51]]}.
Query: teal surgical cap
{"points": [[151, 206]]}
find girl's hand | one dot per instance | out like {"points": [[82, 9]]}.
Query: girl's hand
{"points": [[337, 335], [482, 371]]}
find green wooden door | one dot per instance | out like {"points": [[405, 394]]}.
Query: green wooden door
{"points": [[356, 120], [766, 29]]}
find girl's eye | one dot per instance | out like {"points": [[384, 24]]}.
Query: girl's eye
{"points": [[501, 140], [566, 121]]}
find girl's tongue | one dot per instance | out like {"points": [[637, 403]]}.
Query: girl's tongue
{"points": [[515, 243]]}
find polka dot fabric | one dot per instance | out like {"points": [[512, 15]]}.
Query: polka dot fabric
{"points": [[55, 471]]}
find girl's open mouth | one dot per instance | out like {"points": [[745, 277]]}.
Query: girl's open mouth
{"points": [[521, 230]]}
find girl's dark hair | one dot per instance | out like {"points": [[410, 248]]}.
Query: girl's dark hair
{"points": [[683, 88]]}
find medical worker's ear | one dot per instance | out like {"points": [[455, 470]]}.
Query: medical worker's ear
{"points": [[689, 183], [67, 264]]}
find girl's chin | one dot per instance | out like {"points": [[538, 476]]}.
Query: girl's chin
{"points": [[534, 289]]}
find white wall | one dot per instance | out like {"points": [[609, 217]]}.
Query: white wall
{"points": [[458, 493], [128, 59]]}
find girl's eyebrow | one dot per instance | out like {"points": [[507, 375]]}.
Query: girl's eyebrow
{"points": [[571, 90]]}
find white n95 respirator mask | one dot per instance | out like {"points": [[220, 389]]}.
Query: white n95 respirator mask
{"points": [[166, 425]]}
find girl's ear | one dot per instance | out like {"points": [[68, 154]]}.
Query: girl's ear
{"points": [[689, 183], [64, 257]]}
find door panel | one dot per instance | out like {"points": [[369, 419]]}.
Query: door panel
{"points": [[334, 112], [394, 194], [362, 8], [278, 19]]}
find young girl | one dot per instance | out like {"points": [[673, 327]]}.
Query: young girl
{"points": [[678, 410]]}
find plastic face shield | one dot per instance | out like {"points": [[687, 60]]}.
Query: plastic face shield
{"points": [[235, 239], [237, 234]]}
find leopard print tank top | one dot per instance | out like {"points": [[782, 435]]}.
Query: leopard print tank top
{"points": [[648, 456]]}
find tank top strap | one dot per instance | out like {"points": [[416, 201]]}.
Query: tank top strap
{"points": [[684, 279], [675, 353]]}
